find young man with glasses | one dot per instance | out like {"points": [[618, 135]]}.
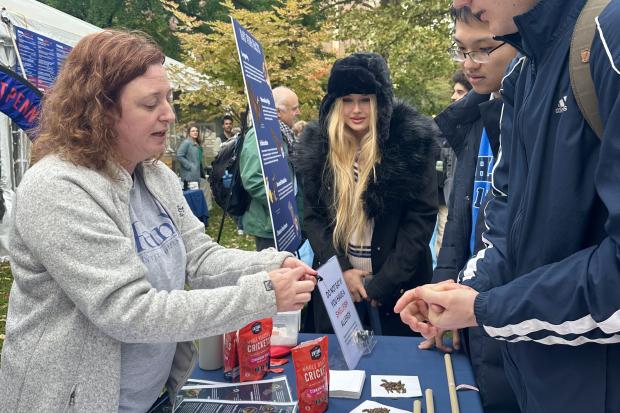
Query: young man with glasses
{"points": [[548, 283], [471, 127]]}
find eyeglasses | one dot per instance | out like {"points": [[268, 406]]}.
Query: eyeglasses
{"points": [[477, 56]]}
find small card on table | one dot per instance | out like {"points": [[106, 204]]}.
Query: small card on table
{"points": [[369, 405], [395, 386]]}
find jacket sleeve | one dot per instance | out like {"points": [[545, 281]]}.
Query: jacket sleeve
{"points": [[490, 266], [87, 251], [209, 265], [574, 301], [449, 259], [250, 168], [447, 267], [414, 234], [182, 154]]}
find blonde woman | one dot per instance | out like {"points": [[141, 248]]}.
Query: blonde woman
{"points": [[370, 191]]}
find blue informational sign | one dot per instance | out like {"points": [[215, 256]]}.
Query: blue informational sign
{"points": [[279, 184], [42, 57], [19, 100]]}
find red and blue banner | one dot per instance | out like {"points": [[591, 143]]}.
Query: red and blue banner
{"points": [[19, 99]]}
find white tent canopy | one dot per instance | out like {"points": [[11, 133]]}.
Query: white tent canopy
{"points": [[47, 21], [62, 27]]}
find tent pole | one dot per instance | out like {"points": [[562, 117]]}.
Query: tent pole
{"points": [[5, 19]]}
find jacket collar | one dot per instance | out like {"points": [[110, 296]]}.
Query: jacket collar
{"points": [[455, 119], [123, 180], [490, 112], [541, 26]]}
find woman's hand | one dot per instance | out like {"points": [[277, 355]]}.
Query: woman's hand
{"points": [[292, 287], [292, 263], [354, 279]]}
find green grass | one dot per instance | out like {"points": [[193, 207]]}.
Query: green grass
{"points": [[229, 239], [6, 279]]}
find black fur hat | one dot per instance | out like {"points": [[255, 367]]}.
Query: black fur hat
{"points": [[363, 73]]}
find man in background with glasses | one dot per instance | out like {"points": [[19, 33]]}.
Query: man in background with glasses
{"points": [[548, 284], [471, 127]]}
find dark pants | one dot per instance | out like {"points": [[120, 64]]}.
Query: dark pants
{"points": [[264, 243], [487, 362], [238, 220]]}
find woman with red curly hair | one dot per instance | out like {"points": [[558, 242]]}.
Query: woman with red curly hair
{"points": [[103, 245]]}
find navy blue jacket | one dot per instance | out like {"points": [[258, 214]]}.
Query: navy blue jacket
{"points": [[554, 223], [461, 125]]}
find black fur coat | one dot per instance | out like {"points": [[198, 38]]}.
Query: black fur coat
{"points": [[402, 201]]}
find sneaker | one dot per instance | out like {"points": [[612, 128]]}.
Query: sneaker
{"points": [[240, 232]]}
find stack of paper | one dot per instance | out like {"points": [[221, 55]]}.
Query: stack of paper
{"points": [[347, 384]]}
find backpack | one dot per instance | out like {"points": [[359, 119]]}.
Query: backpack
{"points": [[225, 178], [579, 64]]}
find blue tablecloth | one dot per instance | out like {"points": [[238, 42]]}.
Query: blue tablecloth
{"points": [[198, 204], [391, 356]]}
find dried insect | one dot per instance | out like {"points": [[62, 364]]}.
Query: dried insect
{"points": [[393, 386]]}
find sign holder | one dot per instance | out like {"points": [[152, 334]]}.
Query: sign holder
{"points": [[354, 340]]}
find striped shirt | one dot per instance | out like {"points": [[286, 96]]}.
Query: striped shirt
{"points": [[359, 252]]}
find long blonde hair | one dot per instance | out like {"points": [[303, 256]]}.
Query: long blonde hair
{"points": [[348, 202]]}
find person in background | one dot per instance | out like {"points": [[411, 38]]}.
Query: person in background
{"points": [[189, 155], [446, 165], [471, 128], [257, 220], [370, 191], [461, 85], [228, 132], [546, 285], [100, 318]]}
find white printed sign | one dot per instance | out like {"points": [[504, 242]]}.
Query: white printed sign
{"points": [[341, 310]]}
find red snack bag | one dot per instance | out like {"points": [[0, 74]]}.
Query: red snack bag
{"points": [[231, 361], [253, 347], [312, 375]]}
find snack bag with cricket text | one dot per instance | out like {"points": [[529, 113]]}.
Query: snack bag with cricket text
{"points": [[231, 360], [312, 375], [253, 346]]}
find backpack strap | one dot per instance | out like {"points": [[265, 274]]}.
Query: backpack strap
{"points": [[579, 64]]}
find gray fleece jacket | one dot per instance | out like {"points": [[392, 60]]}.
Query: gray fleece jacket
{"points": [[80, 289]]}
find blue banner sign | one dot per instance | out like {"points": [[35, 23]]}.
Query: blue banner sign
{"points": [[279, 184], [42, 57], [19, 99]]}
